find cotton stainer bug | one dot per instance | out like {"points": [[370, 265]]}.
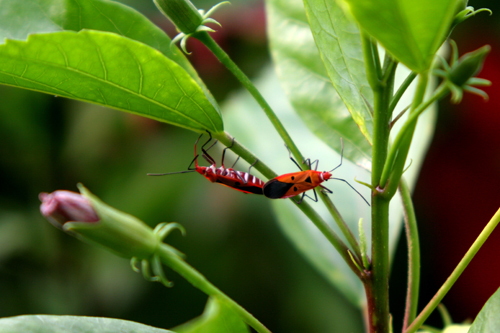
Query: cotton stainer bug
{"points": [[238, 180], [292, 184]]}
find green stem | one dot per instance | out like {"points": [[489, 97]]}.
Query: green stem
{"points": [[223, 57], [343, 226], [401, 90], [377, 287], [372, 63], [318, 221], [227, 140], [399, 149], [199, 281], [413, 243], [434, 302], [379, 314]]}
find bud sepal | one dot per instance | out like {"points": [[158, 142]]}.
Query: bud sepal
{"points": [[459, 74], [87, 218], [187, 19]]}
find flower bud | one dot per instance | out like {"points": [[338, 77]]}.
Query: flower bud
{"points": [[88, 218], [60, 207], [468, 65], [182, 13]]}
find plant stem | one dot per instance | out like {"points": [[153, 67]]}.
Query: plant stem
{"points": [[227, 140], [434, 302], [399, 150], [205, 38], [401, 90], [379, 314], [199, 281], [377, 287], [413, 244], [343, 226]]}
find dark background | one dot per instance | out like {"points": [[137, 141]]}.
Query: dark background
{"points": [[49, 143]]}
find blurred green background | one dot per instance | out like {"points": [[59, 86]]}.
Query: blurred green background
{"points": [[49, 143]]}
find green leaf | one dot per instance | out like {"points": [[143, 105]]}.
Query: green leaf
{"points": [[110, 70], [19, 18], [411, 31], [73, 324], [217, 317], [339, 44], [488, 319], [305, 80]]}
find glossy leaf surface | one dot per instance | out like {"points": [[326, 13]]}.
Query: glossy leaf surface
{"points": [[339, 43], [74, 324], [39, 16], [306, 83], [411, 31], [109, 70]]}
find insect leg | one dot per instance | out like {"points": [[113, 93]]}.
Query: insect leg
{"points": [[301, 199], [237, 159], [305, 195], [205, 154], [224, 153], [324, 189], [251, 165], [294, 161]]}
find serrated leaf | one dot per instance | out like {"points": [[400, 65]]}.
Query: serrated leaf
{"points": [[216, 318], [19, 18], [305, 80], [412, 31], [73, 324], [339, 43], [109, 70], [488, 319]]}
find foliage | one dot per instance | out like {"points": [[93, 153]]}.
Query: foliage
{"points": [[347, 68]]}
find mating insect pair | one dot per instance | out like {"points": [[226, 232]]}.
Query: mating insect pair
{"points": [[281, 187]]}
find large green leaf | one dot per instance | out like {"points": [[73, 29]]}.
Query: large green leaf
{"points": [[488, 319], [339, 44], [217, 318], [73, 324], [412, 31], [110, 70], [303, 76], [19, 18]]}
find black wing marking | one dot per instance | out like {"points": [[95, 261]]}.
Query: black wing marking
{"points": [[274, 189]]}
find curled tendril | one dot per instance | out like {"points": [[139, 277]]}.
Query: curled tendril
{"points": [[182, 37], [151, 268]]}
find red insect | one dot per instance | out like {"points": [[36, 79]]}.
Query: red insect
{"points": [[292, 184], [238, 180]]}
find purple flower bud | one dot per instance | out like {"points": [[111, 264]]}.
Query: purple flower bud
{"points": [[61, 206]]}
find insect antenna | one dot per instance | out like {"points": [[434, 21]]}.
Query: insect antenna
{"points": [[341, 156], [345, 181], [169, 173]]}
